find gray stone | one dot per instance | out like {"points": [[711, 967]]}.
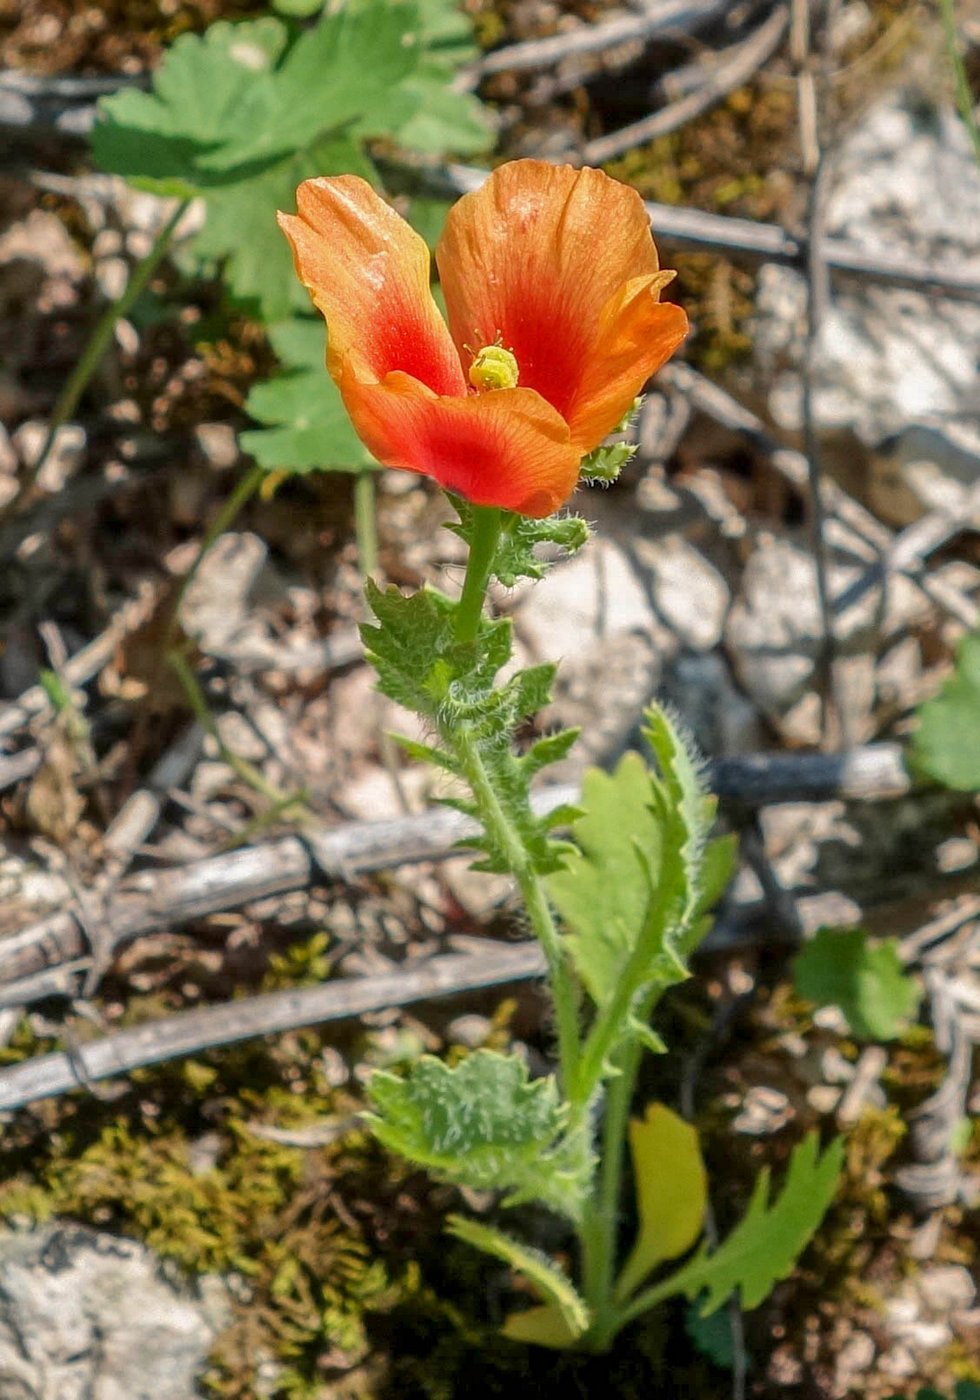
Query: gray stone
{"points": [[688, 592], [86, 1316], [904, 184]]}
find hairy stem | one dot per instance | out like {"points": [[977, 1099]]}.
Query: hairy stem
{"points": [[501, 829], [366, 522], [483, 547], [77, 382]]}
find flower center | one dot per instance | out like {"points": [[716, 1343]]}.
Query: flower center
{"points": [[494, 367]]}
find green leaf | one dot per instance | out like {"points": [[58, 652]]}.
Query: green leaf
{"points": [[764, 1246], [604, 892], [443, 120], [946, 745], [671, 1192], [841, 967], [158, 140], [341, 71], [240, 236], [421, 664], [543, 1327], [550, 1283], [307, 427], [485, 1125]]}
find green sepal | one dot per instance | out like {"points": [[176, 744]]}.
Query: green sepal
{"points": [[520, 537], [605, 462]]}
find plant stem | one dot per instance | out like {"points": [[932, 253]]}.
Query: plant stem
{"points": [[483, 547], [366, 521], [98, 343], [600, 1231], [500, 827], [964, 97]]}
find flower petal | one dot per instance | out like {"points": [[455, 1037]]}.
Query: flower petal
{"points": [[638, 335], [505, 448], [539, 256], [368, 273]]}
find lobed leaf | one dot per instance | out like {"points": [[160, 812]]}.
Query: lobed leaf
{"points": [[868, 982], [307, 427], [764, 1246], [486, 1125], [946, 745]]}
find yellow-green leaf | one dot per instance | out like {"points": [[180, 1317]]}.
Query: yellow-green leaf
{"points": [[671, 1192], [543, 1326]]}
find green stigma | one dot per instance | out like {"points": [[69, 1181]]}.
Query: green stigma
{"points": [[493, 367]]}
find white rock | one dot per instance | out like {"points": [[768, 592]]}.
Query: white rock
{"points": [[85, 1316], [66, 455], [688, 592], [904, 183], [947, 1287], [596, 592]]}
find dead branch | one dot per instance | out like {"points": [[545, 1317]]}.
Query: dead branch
{"points": [[716, 403], [191, 1031], [155, 900], [662, 16], [727, 71]]}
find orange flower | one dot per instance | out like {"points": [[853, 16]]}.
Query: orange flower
{"points": [[555, 266]]}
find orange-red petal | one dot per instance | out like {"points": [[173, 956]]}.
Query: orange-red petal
{"points": [[560, 264], [507, 448], [368, 273]]}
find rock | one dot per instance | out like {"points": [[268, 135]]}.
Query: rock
{"points": [[926, 467], [774, 632], [66, 455], [946, 1288], [218, 444], [214, 609], [592, 615], [904, 184], [86, 1316], [690, 594]]}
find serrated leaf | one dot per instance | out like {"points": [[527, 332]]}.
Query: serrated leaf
{"points": [[764, 1246], [671, 1192], [240, 236], [604, 891], [307, 426], [550, 1282], [486, 1125], [946, 745], [159, 139], [522, 537], [341, 71], [867, 981]]}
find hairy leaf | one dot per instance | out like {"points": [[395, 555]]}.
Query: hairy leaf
{"points": [[563, 1301], [486, 1125], [421, 664], [946, 745], [671, 1192], [868, 982], [765, 1245]]}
